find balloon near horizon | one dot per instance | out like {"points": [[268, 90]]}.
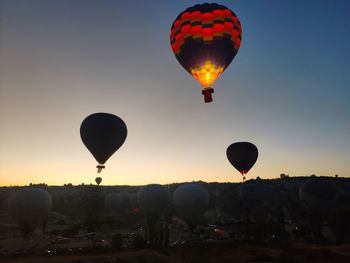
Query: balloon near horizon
{"points": [[205, 38], [98, 180], [242, 156], [103, 134]]}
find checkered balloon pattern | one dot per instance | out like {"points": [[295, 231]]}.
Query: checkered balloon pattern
{"points": [[205, 38]]}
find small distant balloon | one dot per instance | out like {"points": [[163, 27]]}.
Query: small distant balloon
{"points": [[103, 134], [242, 156], [205, 38], [98, 180], [29, 207]]}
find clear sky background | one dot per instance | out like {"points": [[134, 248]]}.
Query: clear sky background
{"points": [[287, 91]]}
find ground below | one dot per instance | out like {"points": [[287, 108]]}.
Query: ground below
{"points": [[213, 252]]}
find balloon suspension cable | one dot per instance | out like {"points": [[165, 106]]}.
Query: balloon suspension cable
{"points": [[100, 167], [243, 172], [207, 94]]}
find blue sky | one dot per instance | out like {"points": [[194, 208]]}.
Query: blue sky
{"points": [[287, 91]]}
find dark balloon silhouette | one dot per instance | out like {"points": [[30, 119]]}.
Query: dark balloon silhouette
{"points": [[29, 207], [154, 201], [205, 38], [242, 155], [103, 134], [98, 180], [191, 201]]}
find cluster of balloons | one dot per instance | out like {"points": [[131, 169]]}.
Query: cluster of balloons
{"points": [[155, 202], [104, 133], [190, 202], [29, 207], [204, 38]]}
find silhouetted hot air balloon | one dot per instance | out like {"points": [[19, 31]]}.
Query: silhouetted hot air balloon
{"points": [[98, 180], [29, 207], [205, 38], [242, 155], [190, 202], [103, 134], [154, 200]]}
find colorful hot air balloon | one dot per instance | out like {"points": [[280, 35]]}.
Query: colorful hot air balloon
{"points": [[103, 134], [205, 38], [98, 180], [242, 155]]}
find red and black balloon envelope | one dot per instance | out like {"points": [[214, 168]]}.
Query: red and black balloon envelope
{"points": [[242, 156], [205, 38], [103, 134]]}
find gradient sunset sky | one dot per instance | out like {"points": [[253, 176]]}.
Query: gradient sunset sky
{"points": [[287, 91]]}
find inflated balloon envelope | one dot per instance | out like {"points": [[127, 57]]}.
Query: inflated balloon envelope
{"points": [[28, 207], [190, 202], [103, 134], [153, 200], [98, 180], [205, 38], [242, 156]]}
